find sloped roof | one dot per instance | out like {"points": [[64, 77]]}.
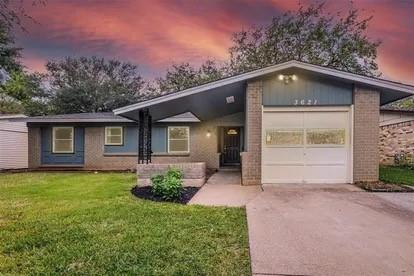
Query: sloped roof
{"points": [[99, 117], [391, 90]]}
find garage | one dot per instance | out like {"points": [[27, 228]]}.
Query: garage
{"points": [[307, 145]]}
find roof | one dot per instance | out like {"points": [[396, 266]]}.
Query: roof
{"points": [[391, 90], [11, 116], [99, 117]]}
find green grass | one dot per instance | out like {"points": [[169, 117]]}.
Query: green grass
{"points": [[397, 175], [85, 223]]}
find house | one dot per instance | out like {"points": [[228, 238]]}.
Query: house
{"points": [[288, 123], [396, 134], [13, 143]]}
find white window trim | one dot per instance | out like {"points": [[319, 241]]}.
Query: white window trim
{"points": [[53, 140], [114, 144], [168, 139]]}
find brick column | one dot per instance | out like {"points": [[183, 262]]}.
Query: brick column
{"points": [[252, 157], [366, 134], [35, 148]]}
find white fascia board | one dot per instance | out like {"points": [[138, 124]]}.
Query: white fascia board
{"points": [[267, 70]]}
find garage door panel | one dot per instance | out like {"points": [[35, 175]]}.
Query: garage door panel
{"points": [[325, 174], [283, 174], [283, 120], [326, 156], [326, 120], [283, 155], [322, 157]]}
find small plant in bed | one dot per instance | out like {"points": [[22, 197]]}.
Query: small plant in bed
{"points": [[166, 187]]}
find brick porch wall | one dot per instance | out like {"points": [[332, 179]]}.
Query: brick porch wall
{"points": [[252, 158], [366, 138]]}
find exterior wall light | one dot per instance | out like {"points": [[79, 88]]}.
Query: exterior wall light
{"points": [[287, 78], [208, 134]]}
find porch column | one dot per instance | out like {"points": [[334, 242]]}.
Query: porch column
{"points": [[144, 137], [252, 157]]}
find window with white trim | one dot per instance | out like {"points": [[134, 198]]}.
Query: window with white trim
{"points": [[178, 139], [114, 136], [62, 138]]}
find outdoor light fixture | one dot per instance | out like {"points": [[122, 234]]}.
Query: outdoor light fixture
{"points": [[287, 78], [230, 99], [208, 133]]}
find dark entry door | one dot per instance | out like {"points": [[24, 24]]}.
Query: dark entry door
{"points": [[231, 145]]}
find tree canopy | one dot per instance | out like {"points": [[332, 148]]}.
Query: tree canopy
{"points": [[92, 84], [309, 35]]}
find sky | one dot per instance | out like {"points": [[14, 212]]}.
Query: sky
{"points": [[156, 33]]}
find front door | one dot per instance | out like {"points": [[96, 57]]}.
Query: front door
{"points": [[231, 146]]}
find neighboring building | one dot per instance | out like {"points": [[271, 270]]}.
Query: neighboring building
{"points": [[13, 143], [396, 135], [289, 123]]}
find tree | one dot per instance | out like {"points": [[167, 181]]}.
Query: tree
{"points": [[9, 54], [182, 76], [93, 84], [24, 93], [308, 35]]}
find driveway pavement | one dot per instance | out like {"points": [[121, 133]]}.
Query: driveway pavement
{"points": [[316, 230]]}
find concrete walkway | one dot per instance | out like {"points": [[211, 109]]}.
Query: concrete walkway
{"points": [[224, 189], [329, 230]]}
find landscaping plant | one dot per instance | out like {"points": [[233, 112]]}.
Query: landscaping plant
{"points": [[168, 186]]}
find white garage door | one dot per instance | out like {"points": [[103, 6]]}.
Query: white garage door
{"points": [[306, 146]]}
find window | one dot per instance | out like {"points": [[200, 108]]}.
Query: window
{"points": [[62, 140], [178, 139], [328, 136], [284, 137], [114, 136]]}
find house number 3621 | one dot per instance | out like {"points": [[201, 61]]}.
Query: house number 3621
{"points": [[305, 102]]}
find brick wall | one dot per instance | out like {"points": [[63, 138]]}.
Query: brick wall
{"points": [[194, 174], [202, 148], [396, 139], [366, 122], [95, 157], [251, 158], [34, 147]]}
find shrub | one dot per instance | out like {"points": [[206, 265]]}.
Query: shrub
{"points": [[404, 160], [168, 186]]}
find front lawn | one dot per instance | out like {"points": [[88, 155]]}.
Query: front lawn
{"points": [[85, 223], [397, 175]]}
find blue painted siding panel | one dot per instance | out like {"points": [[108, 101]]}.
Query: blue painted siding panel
{"points": [[50, 158], [158, 138], [306, 90]]}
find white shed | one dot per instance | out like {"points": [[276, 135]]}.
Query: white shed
{"points": [[13, 143]]}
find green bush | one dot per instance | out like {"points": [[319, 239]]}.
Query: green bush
{"points": [[168, 186], [404, 160]]}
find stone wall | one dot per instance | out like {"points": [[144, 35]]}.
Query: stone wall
{"points": [[366, 122], [251, 158], [396, 139], [194, 174]]}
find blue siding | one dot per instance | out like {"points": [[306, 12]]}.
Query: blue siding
{"points": [[159, 141], [306, 90], [50, 158]]}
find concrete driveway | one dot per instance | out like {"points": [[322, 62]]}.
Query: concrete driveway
{"points": [[317, 230]]}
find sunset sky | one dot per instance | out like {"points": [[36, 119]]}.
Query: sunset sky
{"points": [[154, 33]]}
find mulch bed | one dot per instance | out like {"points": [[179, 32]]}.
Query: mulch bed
{"points": [[145, 192], [379, 186]]}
